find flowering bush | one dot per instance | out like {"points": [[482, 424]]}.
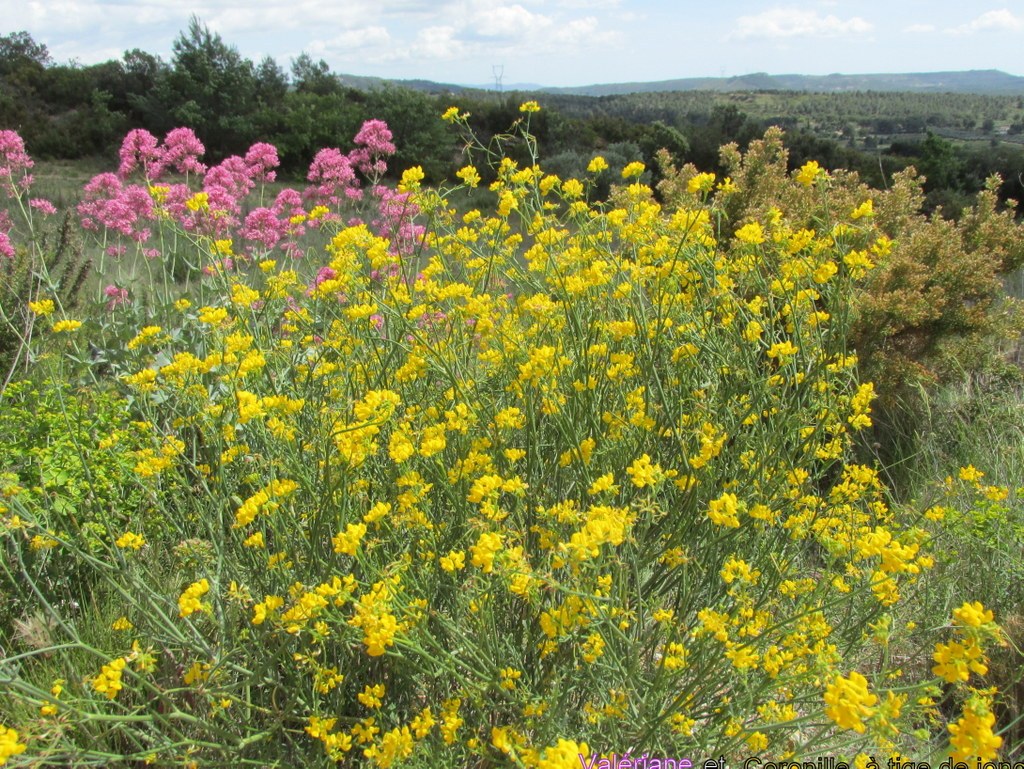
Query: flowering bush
{"points": [[466, 489]]}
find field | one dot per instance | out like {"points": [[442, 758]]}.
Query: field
{"points": [[513, 476]]}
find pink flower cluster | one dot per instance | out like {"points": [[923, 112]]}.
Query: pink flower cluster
{"points": [[125, 209], [116, 296], [6, 247], [331, 173], [219, 210], [43, 205], [270, 226], [14, 163], [180, 152], [373, 144], [395, 221]]}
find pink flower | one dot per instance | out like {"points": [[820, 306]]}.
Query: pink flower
{"points": [[262, 226], [110, 205], [329, 173], [181, 152], [262, 160], [325, 274], [6, 247], [175, 199], [288, 203], [372, 141], [231, 177], [395, 221], [117, 297], [14, 161], [139, 150], [43, 205], [376, 137], [12, 151]]}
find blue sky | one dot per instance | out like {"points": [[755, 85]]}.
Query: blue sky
{"points": [[552, 42]]}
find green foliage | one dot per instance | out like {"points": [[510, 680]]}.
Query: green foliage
{"points": [[49, 262], [419, 136], [314, 77], [310, 121], [212, 89], [69, 452]]}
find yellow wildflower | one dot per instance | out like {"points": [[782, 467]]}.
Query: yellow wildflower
{"points": [[972, 737], [66, 326], [634, 169], [9, 745], [809, 173], [189, 601], [723, 511], [108, 682], [42, 308], [848, 702], [130, 541]]}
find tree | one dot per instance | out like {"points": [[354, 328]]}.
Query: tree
{"points": [[419, 133], [134, 84], [941, 164], [23, 64], [310, 122], [212, 89], [18, 49], [314, 76], [271, 82]]}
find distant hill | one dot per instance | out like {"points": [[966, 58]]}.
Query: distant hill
{"points": [[983, 81], [365, 83], [987, 81]]}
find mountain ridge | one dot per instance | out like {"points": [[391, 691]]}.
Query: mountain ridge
{"points": [[988, 81], [985, 81]]}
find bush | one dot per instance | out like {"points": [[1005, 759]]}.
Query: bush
{"points": [[566, 480]]}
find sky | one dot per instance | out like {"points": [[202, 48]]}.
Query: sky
{"points": [[550, 42]]}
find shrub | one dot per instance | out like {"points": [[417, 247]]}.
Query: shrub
{"points": [[513, 490]]}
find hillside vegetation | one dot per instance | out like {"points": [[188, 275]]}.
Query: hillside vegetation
{"points": [[957, 139]]}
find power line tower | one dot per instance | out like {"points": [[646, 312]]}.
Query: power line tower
{"points": [[498, 71]]}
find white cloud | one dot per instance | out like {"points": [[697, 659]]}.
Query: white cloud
{"points": [[1001, 20], [61, 16], [351, 41], [490, 29], [793, 22], [588, 5], [508, 21], [437, 43], [392, 37], [298, 14], [582, 32]]}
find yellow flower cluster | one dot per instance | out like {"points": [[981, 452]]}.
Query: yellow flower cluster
{"points": [[267, 500], [108, 682], [190, 600], [848, 701]]}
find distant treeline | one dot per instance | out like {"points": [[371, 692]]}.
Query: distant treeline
{"points": [[76, 111]]}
